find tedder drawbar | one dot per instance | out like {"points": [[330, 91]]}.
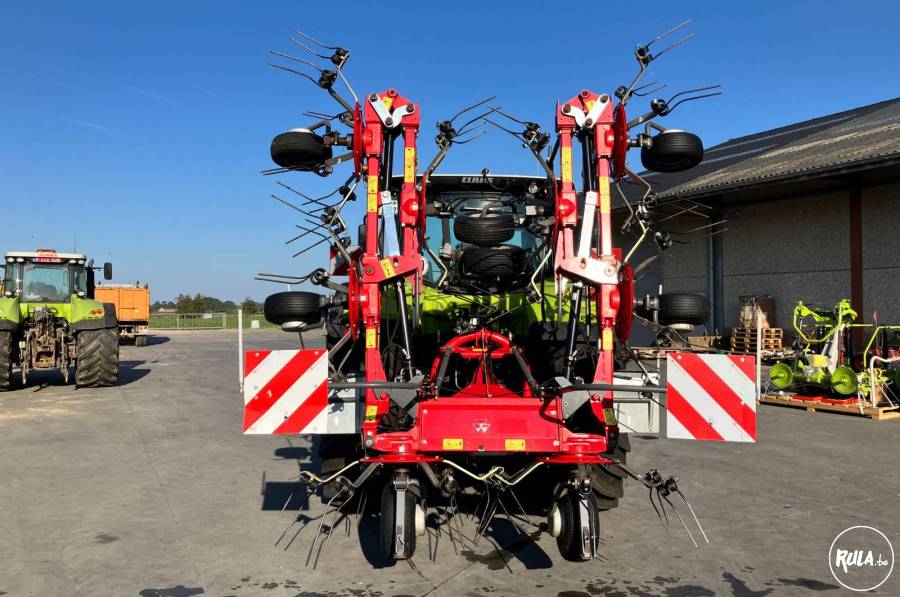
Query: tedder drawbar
{"points": [[472, 353]]}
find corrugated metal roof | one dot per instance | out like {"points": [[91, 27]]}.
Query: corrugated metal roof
{"points": [[852, 138]]}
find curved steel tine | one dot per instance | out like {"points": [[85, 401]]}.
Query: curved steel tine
{"points": [[669, 32], [481, 133], [509, 516], [697, 90], [503, 128], [649, 91], [673, 46], [472, 107], [312, 246], [295, 59], [462, 129], [678, 514], [296, 72], [690, 99], [315, 41], [310, 50], [652, 503], [697, 520]]}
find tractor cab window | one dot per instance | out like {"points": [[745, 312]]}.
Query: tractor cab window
{"points": [[45, 283], [79, 279]]}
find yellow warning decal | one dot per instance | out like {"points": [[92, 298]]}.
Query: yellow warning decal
{"points": [[609, 415], [566, 164], [388, 268], [388, 102], [371, 338], [604, 195], [589, 105], [453, 443], [372, 193], [409, 164], [607, 339], [514, 445], [371, 413]]}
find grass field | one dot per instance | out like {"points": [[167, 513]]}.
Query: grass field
{"points": [[204, 321]]}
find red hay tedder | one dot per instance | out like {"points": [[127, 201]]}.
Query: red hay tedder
{"points": [[479, 344]]}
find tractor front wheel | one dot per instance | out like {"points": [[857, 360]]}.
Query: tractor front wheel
{"points": [[97, 363], [5, 360]]}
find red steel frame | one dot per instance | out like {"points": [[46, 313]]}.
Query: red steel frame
{"points": [[519, 421]]}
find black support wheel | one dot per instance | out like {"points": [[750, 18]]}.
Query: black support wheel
{"points": [[5, 360], [608, 480], [97, 358], [300, 149], [680, 307], [672, 151], [484, 230], [388, 529], [299, 306], [140, 340], [578, 517]]}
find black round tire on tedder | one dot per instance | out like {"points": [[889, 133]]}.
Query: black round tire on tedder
{"points": [[569, 540], [386, 522], [678, 307], [672, 151], [484, 230], [97, 363], [299, 150], [284, 307]]}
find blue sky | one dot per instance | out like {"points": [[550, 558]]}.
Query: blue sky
{"points": [[138, 130]]}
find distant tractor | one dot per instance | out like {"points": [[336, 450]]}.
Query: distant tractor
{"points": [[132, 303], [50, 320]]}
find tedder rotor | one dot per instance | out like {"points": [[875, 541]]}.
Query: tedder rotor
{"points": [[475, 320]]}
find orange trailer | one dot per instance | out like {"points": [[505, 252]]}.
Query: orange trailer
{"points": [[132, 308]]}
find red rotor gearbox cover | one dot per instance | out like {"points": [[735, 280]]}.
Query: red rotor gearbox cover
{"points": [[625, 314]]}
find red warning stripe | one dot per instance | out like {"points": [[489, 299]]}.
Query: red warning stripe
{"points": [[269, 394], [706, 377], [252, 358], [689, 418], [303, 416]]}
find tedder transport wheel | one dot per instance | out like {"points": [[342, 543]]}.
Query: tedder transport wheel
{"points": [[285, 307], [608, 481], [493, 262], [97, 363], [678, 307], [299, 149], [672, 151], [484, 230], [5, 360], [140, 340], [387, 528], [571, 526]]}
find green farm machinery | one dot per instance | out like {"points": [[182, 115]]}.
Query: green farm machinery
{"points": [[826, 361]]}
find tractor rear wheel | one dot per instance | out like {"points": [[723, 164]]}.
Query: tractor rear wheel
{"points": [[608, 480], [5, 360], [97, 363]]}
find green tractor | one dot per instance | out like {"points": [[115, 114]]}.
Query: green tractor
{"points": [[49, 319]]}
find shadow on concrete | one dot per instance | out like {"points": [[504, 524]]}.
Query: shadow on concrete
{"points": [[129, 373]]}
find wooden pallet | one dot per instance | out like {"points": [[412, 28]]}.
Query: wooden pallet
{"points": [[745, 339], [850, 407]]}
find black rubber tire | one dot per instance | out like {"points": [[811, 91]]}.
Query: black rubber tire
{"points": [[678, 307], [334, 453], [493, 262], [569, 540], [296, 305], [386, 523], [97, 358], [608, 480], [5, 360], [673, 151], [299, 150], [140, 340], [484, 230]]}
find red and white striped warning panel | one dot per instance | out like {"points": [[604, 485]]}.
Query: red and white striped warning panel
{"points": [[285, 391], [711, 397]]}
